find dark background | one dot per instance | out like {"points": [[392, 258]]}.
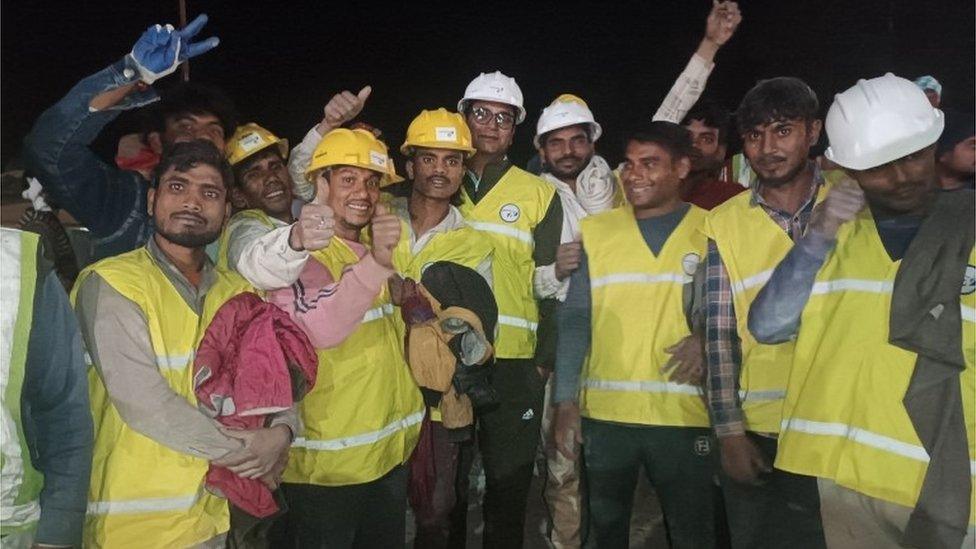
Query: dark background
{"points": [[282, 61]]}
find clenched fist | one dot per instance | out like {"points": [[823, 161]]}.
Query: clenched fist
{"points": [[386, 234], [568, 257], [842, 204]]}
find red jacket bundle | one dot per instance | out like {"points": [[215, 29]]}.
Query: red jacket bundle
{"points": [[243, 372]]}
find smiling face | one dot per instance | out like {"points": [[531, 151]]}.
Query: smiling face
{"points": [[436, 173], [901, 186], [487, 135], [652, 178], [778, 151], [353, 194], [189, 207], [263, 183]]}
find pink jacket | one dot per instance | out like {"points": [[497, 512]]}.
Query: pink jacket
{"points": [[242, 374]]}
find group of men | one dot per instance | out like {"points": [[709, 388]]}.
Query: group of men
{"points": [[788, 363]]}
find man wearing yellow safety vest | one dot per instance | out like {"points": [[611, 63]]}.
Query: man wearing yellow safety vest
{"points": [[142, 314], [263, 242], [436, 145], [46, 442], [748, 235], [345, 482], [626, 311], [519, 214], [880, 302]]}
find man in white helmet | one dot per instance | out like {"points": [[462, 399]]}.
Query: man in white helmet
{"points": [[519, 214], [881, 302]]}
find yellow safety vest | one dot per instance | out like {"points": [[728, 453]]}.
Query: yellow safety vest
{"points": [[506, 217], [224, 242], [843, 417], [637, 313], [464, 246], [19, 506], [751, 244], [143, 494], [363, 416]]}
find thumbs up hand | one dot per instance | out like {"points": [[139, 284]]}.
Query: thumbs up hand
{"points": [[316, 223], [386, 234], [343, 107]]}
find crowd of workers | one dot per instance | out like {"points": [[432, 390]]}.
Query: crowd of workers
{"points": [[282, 347]]}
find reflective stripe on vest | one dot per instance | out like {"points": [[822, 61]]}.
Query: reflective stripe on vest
{"points": [[361, 439], [20, 483], [507, 215], [843, 417], [166, 506], [638, 312], [362, 418]]}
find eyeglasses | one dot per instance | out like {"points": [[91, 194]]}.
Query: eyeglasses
{"points": [[483, 116]]}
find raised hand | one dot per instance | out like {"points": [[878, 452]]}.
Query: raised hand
{"points": [[722, 22], [162, 48], [316, 223], [386, 234], [844, 201], [343, 107]]}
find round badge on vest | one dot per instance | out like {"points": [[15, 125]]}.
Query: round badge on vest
{"points": [[969, 281], [689, 263], [510, 213]]}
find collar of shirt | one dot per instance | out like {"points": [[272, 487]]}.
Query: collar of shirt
{"points": [[451, 222], [788, 220], [479, 186], [192, 295]]}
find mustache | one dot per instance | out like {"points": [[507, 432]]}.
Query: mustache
{"points": [[768, 159], [199, 218]]}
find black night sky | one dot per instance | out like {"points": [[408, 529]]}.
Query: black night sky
{"points": [[281, 61]]}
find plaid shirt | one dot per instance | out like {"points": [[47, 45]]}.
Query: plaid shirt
{"points": [[723, 351]]}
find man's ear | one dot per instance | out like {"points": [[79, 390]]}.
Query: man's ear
{"points": [[150, 200], [155, 141], [409, 168], [813, 131]]}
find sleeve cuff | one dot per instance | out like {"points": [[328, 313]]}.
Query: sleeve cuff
{"points": [[545, 282], [125, 72], [284, 249], [372, 273]]}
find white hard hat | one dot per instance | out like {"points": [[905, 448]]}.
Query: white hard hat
{"points": [[880, 120], [566, 110], [495, 87]]}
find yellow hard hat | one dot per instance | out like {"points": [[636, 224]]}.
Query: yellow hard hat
{"points": [[250, 139], [438, 129], [360, 148]]}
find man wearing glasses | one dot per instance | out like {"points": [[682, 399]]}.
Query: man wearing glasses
{"points": [[519, 214]]}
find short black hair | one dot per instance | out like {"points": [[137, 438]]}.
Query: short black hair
{"points": [[780, 98], [196, 98], [186, 155], [713, 115], [243, 165], [672, 137]]}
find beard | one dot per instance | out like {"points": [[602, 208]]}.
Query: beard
{"points": [[189, 239], [783, 179], [570, 173]]}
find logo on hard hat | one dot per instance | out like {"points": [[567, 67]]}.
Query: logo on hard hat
{"points": [[510, 213], [969, 281], [445, 133], [497, 89], [689, 263], [377, 159], [250, 141]]}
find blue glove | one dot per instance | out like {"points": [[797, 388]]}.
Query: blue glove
{"points": [[161, 49]]}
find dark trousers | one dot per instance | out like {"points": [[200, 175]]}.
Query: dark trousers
{"points": [[508, 437], [676, 461], [781, 510], [363, 516], [444, 522]]}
